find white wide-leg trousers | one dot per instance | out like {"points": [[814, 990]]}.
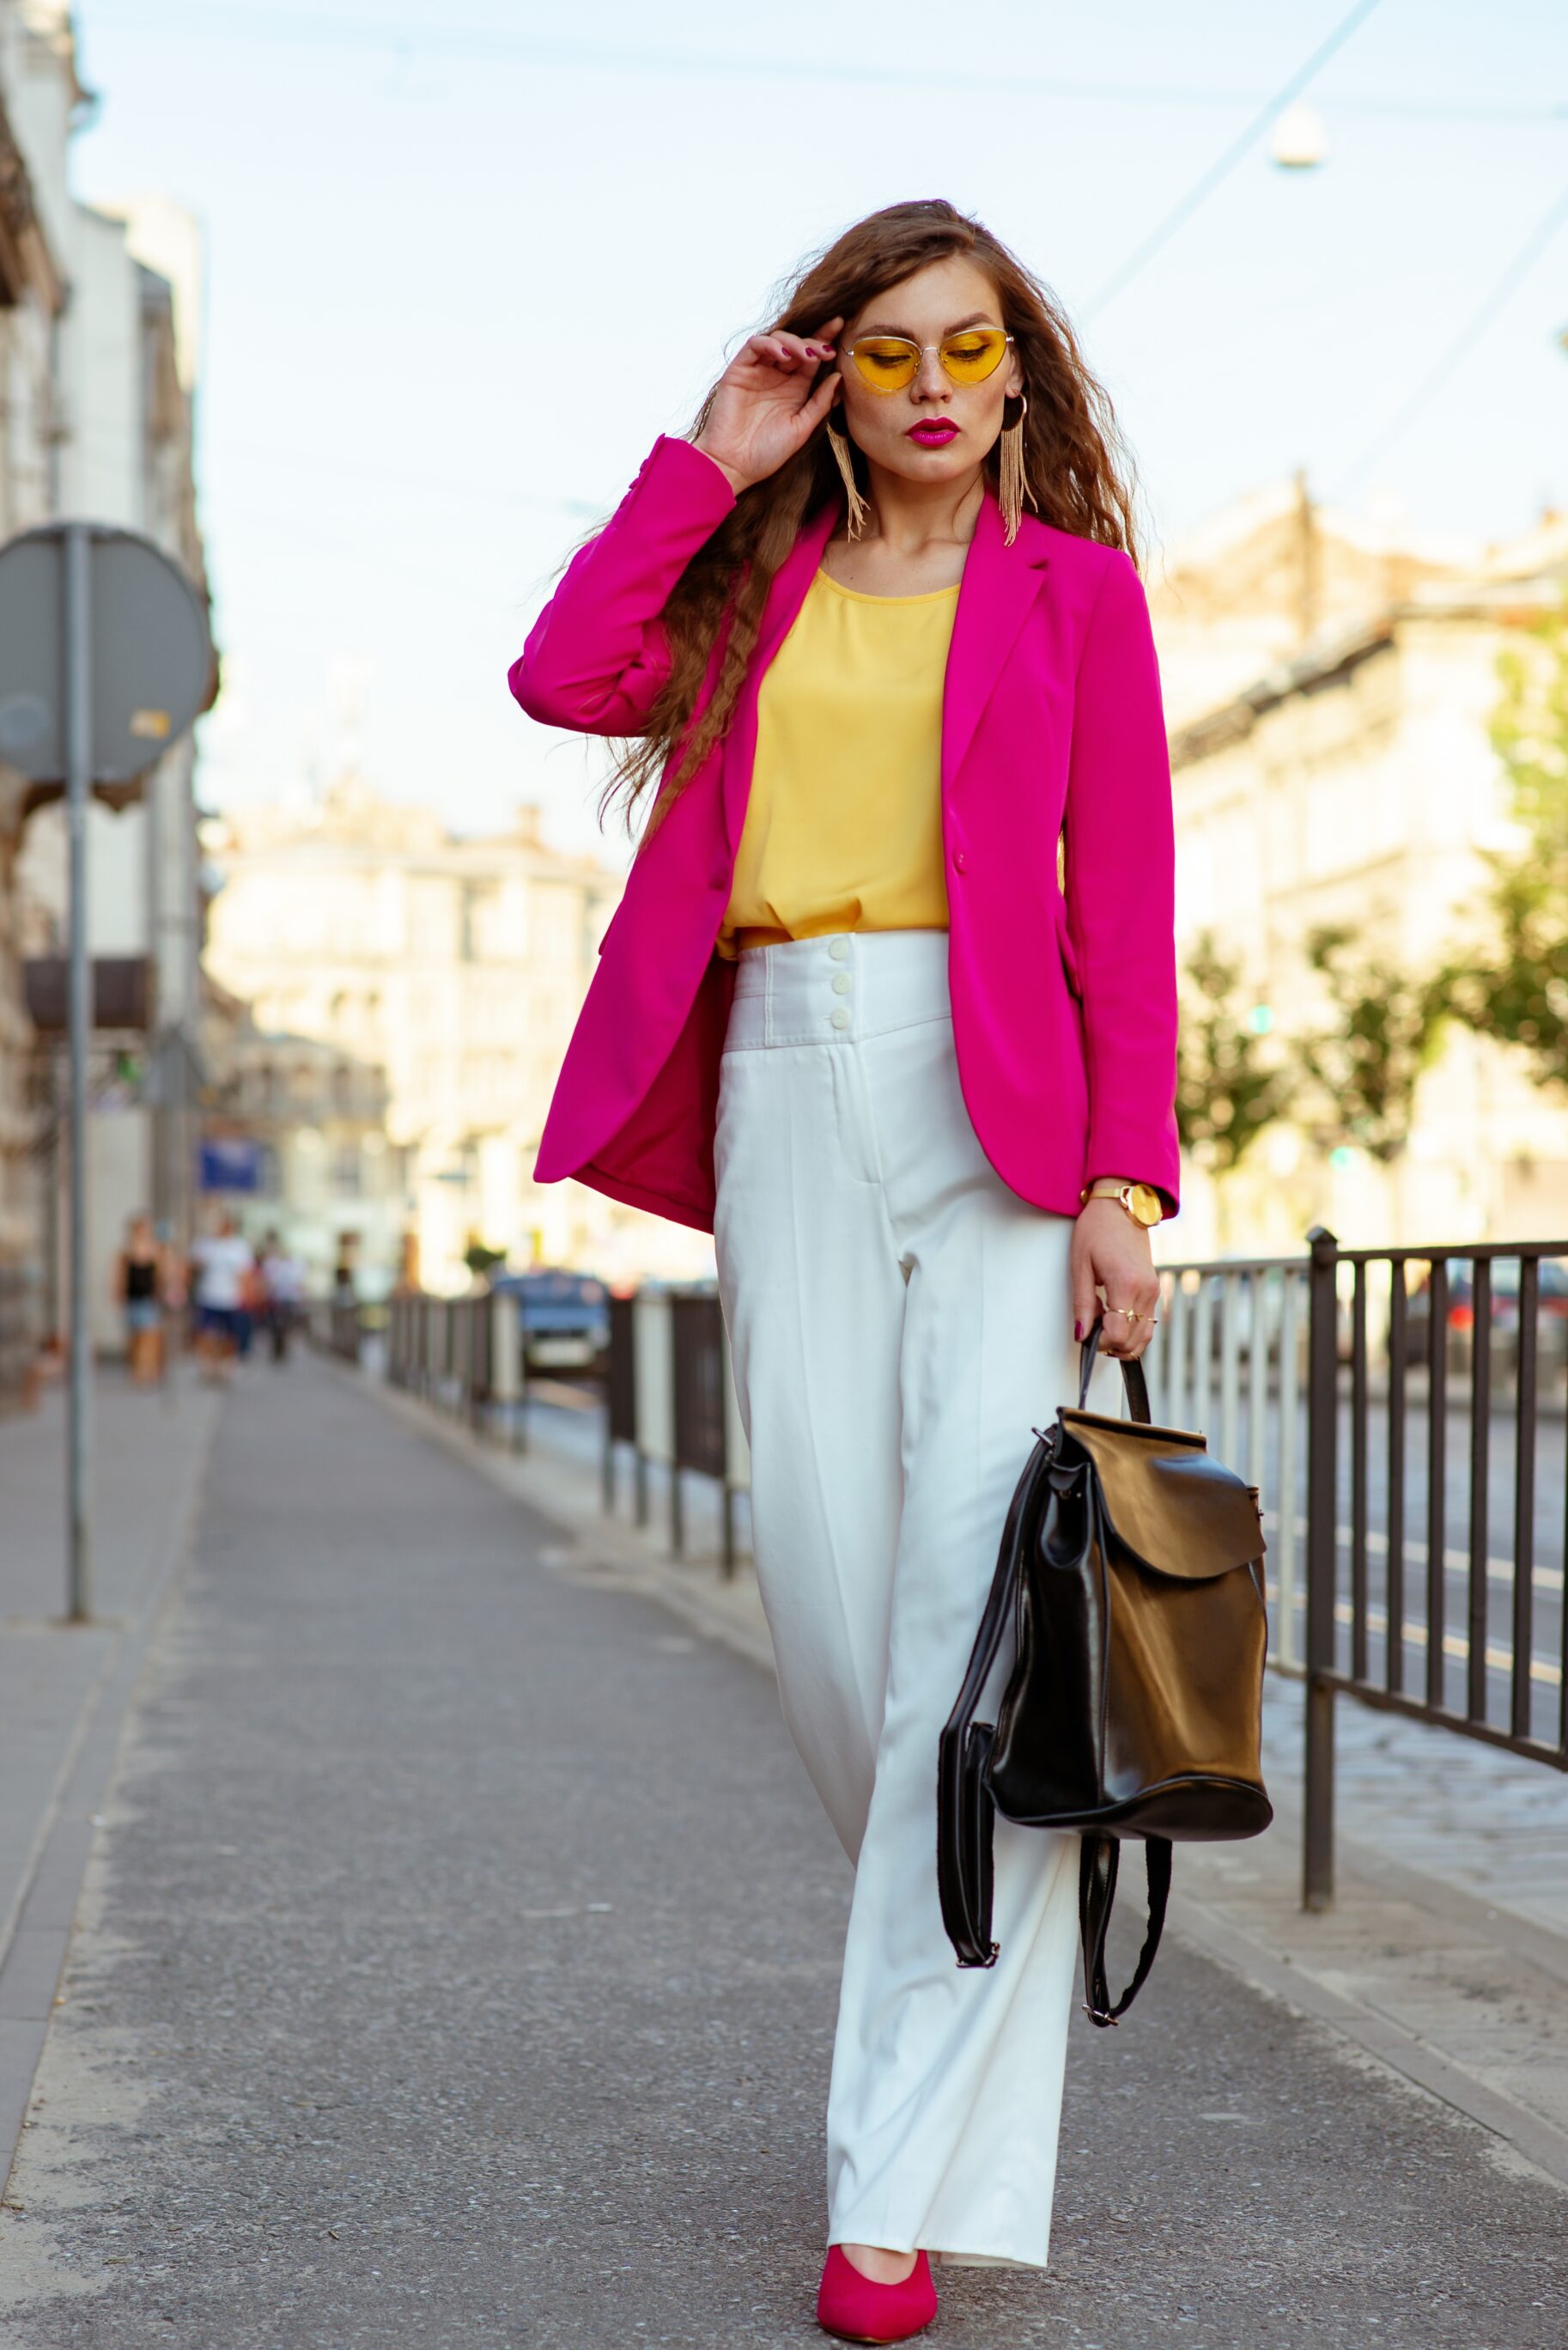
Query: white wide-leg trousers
{"points": [[899, 1321]]}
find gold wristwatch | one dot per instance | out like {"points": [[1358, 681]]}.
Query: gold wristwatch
{"points": [[1141, 1201]]}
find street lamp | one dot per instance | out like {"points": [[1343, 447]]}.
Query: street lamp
{"points": [[1299, 143]]}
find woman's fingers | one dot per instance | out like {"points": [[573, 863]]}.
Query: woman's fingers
{"points": [[1114, 1278], [806, 350], [1129, 1319], [1124, 1341], [791, 354]]}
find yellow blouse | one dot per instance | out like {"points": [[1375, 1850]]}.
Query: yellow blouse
{"points": [[843, 827]]}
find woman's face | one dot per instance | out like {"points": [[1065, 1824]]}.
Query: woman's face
{"points": [[932, 430]]}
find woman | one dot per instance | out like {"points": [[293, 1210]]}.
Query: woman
{"points": [[141, 1284], [845, 1018]]}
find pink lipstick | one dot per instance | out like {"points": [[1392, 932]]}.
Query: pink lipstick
{"points": [[932, 432]]}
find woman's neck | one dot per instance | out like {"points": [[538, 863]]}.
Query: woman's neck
{"points": [[910, 517]]}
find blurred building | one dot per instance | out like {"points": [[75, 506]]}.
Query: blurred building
{"points": [[98, 336], [457, 966], [300, 1128], [32, 296], [1271, 572], [1350, 781]]}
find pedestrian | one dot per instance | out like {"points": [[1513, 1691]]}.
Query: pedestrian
{"points": [[283, 1292], [222, 1266], [141, 1285], [252, 1309], [875, 648]]}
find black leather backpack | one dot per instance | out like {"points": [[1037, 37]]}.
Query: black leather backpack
{"points": [[1130, 1572]]}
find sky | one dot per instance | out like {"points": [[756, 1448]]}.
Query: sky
{"points": [[464, 261]]}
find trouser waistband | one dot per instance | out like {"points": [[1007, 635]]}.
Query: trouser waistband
{"points": [[836, 989]]}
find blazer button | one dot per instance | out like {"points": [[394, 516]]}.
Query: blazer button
{"points": [[961, 861]]}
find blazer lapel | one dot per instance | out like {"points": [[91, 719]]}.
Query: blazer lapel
{"points": [[785, 598], [1000, 585]]}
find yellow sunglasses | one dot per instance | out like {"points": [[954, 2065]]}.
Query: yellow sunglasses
{"points": [[888, 362]]}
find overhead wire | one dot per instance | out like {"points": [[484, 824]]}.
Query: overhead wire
{"points": [[1225, 163], [414, 43], [1464, 342]]}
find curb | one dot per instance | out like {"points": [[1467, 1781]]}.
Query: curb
{"points": [[36, 1934]]}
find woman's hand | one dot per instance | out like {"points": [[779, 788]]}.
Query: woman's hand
{"points": [[767, 404], [1111, 1254]]}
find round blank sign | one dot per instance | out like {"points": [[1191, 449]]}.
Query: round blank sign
{"points": [[150, 653]]}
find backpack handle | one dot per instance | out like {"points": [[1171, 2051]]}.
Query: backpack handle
{"points": [[1132, 1377]]}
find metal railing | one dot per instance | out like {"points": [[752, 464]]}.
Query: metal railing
{"points": [[462, 1354], [1436, 1389], [1379, 1398], [1376, 1398], [336, 1325], [671, 1398], [1228, 1357]]}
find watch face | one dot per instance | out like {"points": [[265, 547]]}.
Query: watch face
{"points": [[1144, 1201]]}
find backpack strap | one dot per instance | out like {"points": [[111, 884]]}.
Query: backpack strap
{"points": [[966, 1816], [1133, 1380], [1097, 1862]]}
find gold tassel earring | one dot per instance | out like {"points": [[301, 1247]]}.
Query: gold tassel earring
{"points": [[858, 509], [1012, 483]]}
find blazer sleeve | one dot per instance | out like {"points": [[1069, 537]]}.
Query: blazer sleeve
{"points": [[1121, 890], [596, 657]]}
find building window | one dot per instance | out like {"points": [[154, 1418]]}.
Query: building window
{"points": [[346, 1171]]}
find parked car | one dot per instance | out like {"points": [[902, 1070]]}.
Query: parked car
{"points": [[564, 1318], [1552, 1325]]}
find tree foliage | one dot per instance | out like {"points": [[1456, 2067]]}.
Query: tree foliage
{"points": [[1352, 1080], [1367, 1061], [1515, 986], [1230, 1084]]}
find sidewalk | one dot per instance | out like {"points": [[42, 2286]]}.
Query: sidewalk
{"points": [[456, 1968], [64, 1688], [1445, 1956]]}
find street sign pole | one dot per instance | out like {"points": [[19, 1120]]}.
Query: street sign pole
{"points": [[106, 661], [78, 699]]}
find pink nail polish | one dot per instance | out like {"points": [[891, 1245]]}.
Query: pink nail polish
{"points": [[1078, 1332]]}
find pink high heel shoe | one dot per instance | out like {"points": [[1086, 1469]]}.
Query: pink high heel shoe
{"points": [[856, 2309]]}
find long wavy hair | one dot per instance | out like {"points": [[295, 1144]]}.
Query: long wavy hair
{"points": [[1075, 463]]}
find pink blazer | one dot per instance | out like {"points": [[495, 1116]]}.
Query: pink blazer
{"points": [[1063, 1014]]}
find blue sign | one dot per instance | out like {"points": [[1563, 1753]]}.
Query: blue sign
{"points": [[230, 1163]]}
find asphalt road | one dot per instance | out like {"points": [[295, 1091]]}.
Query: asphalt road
{"points": [[458, 1969]]}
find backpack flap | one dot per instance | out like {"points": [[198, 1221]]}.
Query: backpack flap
{"points": [[1168, 1504]]}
